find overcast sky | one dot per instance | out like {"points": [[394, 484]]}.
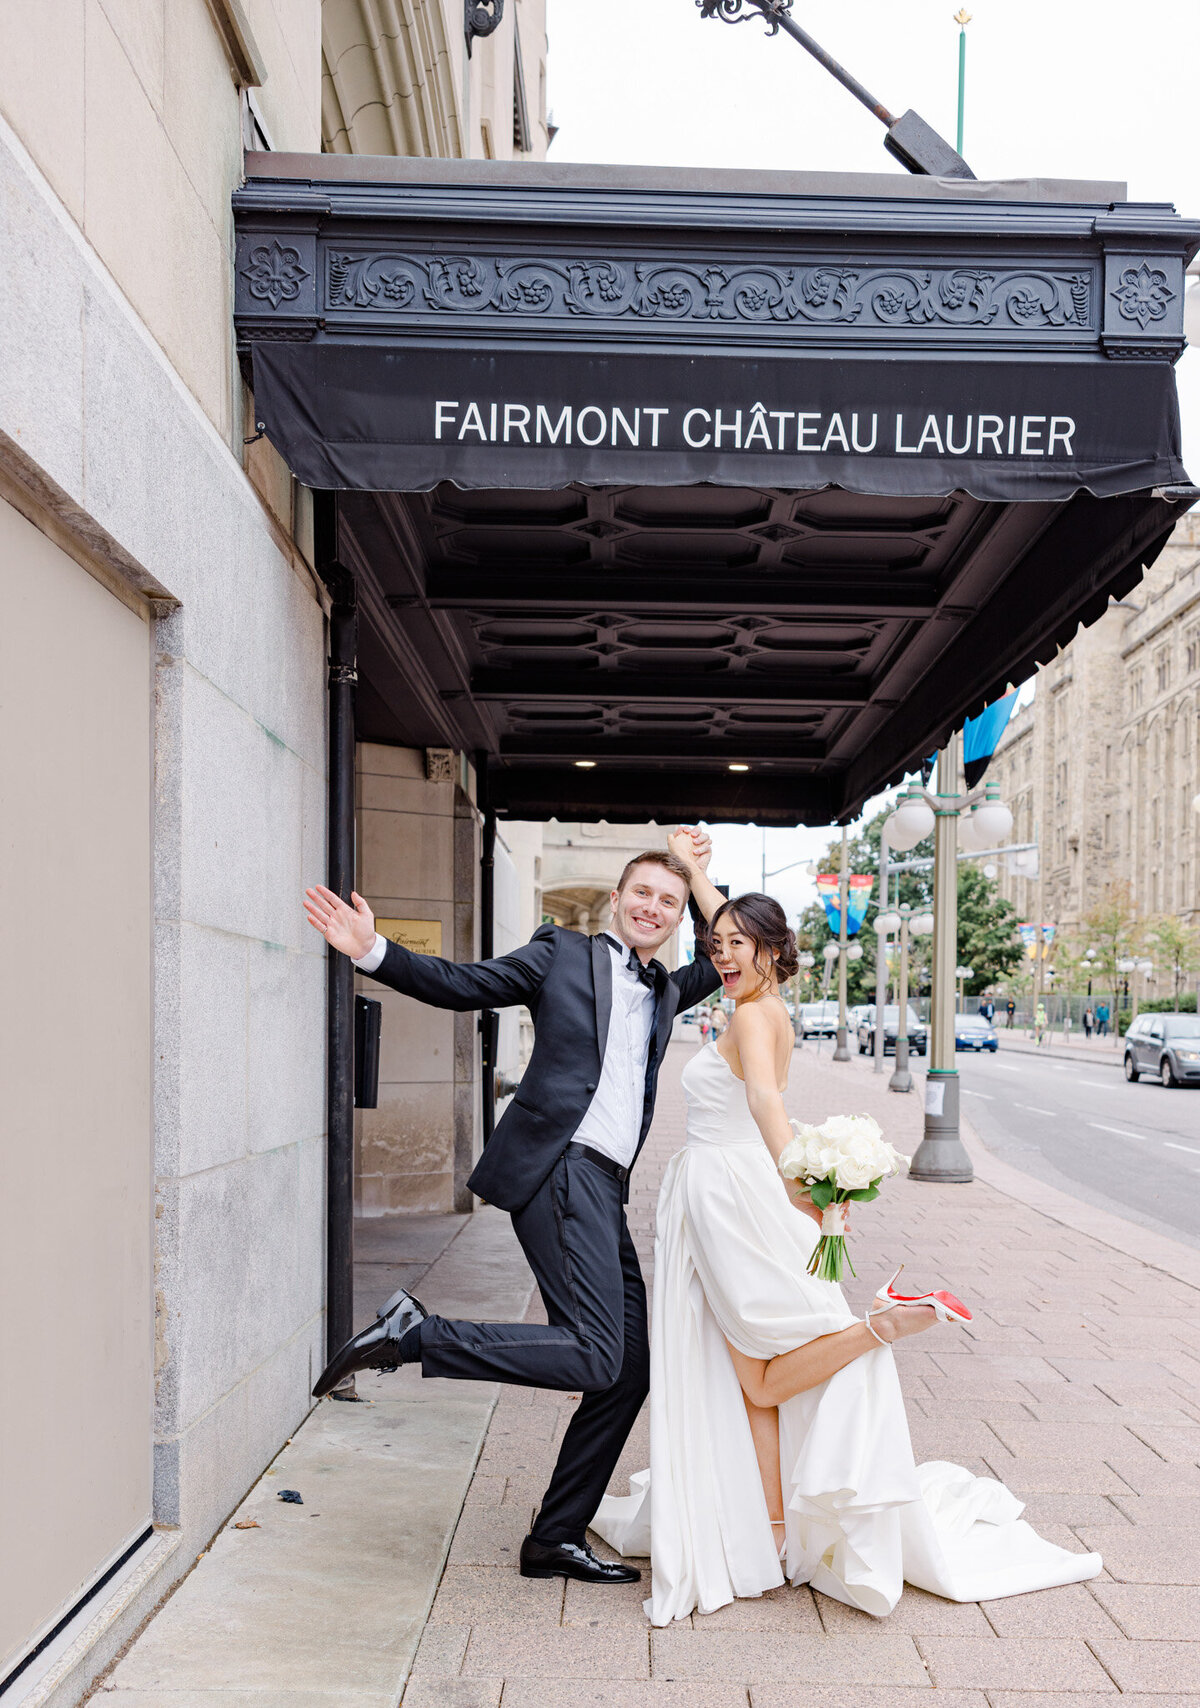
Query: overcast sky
{"points": [[1107, 90]]}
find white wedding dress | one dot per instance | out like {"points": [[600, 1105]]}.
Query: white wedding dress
{"points": [[730, 1260]]}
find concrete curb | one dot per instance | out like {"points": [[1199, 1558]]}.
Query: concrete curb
{"points": [[1154, 1250], [1083, 1053]]}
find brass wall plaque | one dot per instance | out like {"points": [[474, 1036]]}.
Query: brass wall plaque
{"points": [[422, 936]]}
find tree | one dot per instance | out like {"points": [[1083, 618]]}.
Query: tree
{"points": [[987, 939], [987, 935], [1111, 927], [1176, 947]]}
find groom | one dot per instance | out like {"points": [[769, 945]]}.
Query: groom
{"points": [[559, 1162]]}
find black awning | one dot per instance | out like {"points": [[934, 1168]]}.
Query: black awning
{"points": [[376, 418], [643, 479]]}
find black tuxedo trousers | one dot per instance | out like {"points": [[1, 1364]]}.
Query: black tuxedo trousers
{"points": [[567, 1213], [574, 1234]]}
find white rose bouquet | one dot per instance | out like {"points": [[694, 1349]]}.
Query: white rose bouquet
{"points": [[842, 1160]]}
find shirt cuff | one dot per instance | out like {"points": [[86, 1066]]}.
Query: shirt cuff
{"points": [[374, 955]]}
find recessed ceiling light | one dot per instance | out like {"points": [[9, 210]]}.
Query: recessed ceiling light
{"points": [[739, 767], [585, 764]]}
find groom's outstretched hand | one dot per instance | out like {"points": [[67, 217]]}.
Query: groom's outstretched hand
{"points": [[350, 929]]}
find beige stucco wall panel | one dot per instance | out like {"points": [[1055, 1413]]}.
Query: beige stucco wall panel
{"points": [[140, 27], [417, 1041], [46, 111], [407, 854], [289, 35], [412, 1130], [200, 108], [382, 793], [75, 1067], [150, 226]]}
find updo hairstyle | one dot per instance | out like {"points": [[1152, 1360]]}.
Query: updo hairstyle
{"points": [[761, 918]]}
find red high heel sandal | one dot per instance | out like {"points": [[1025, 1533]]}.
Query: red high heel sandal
{"points": [[948, 1308]]}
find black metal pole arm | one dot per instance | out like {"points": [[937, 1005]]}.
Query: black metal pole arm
{"points": [[914, 143]]}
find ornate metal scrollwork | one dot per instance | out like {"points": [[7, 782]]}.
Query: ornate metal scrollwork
{"points": [[825, 293], [481, 17], [734, 11], [1143, 294]]}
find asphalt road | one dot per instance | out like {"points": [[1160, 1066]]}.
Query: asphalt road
{"points": [[1133, 1149]]}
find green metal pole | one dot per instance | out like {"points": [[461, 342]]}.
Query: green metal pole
{"points": [[962, 19]]}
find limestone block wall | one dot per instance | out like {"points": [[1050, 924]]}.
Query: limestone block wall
{"points": [[418, 858], [1105, 763], [399, 80], [120, 436]]}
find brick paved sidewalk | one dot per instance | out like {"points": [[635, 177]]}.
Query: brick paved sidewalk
{"points": [[1078, 1384]]}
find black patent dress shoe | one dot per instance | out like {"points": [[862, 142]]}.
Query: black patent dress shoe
{"points": [[376, 1347], [568, 1560]]}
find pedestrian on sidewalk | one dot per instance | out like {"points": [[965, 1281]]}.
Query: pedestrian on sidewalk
{"points": [[1102, 1020], [1039, 1023], [559, 1163], [988, 1009], [705, 1025], [1089, 1020], [1010, 1014]]}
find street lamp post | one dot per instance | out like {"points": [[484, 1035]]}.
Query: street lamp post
{"points": [[804, 960], [881, 937], [962, 974], [842, 1053], [904, 923], [941, 1155]]}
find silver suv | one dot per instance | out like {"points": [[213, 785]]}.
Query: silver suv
{"points": [[1166, 1045]]}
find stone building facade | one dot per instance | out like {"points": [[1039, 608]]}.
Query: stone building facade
{"points": [[163, 741], [1102, 769]]}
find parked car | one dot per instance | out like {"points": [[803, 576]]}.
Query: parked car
{"points": [[855, 1017], [818, 1019], [918, 1037], [1167, 1045], [974, 1032]]}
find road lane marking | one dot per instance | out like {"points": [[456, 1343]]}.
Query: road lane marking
{"points": [[1121, 1132], [988, 1096], [1003, 1067], [1034, 1110], [1097, 1084], [1191, 1149]]}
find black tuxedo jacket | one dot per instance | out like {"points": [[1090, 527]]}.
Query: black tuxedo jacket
{"points": [[566, 982]]}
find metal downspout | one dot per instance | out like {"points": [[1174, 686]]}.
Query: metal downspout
{"points": [[339, 1212]]}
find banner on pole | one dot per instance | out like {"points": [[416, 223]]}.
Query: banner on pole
{"points": [[1029, 937], [859, 886]]}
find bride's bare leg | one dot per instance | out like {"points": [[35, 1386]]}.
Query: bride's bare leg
{"points": [[764, 1428], [768, 1382]]}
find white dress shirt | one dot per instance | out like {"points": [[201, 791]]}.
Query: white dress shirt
{"points": [[614, 1117]]}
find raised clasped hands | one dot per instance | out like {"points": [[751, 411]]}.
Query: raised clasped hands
{"points": [[348, 928], [691, 845]]}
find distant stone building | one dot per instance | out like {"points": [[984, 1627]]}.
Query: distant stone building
{"points": [[1101, 770], [580, 866]]}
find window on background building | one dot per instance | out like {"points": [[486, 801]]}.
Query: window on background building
{"points": [[1162, 670], [1155, 892], [1193, 649], [1108, 763], [1154, 818], [1135, 689], [1129, 831], [1107, 831]]}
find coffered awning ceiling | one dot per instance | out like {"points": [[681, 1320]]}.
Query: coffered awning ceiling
{"points": [[671, 472]]}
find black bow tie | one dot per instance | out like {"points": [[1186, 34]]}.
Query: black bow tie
{"points": [[645, 973]]}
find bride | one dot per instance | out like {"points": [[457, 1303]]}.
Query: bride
{"points": [[779, 1447]]}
